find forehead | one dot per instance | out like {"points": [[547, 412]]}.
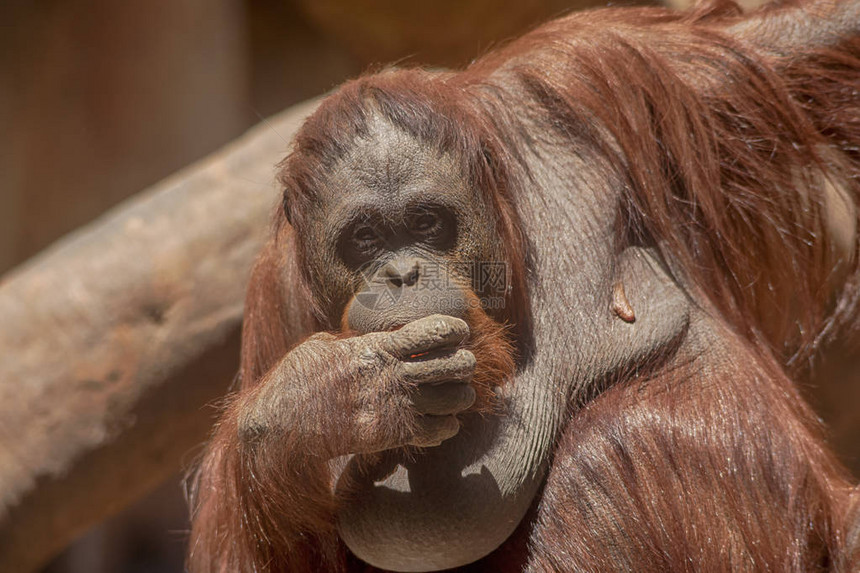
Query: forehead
{"points": [[392, 167]]}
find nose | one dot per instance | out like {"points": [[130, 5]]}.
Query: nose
{"points": [[401, 272]]}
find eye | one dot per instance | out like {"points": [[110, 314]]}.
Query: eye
{"points": [[426, 223], [365, 238]]}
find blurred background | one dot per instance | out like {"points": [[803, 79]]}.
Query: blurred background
{"points": [[99, 99]]}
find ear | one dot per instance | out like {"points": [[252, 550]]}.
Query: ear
{"points": [[795, 29], [277, 308], [286, 208]]}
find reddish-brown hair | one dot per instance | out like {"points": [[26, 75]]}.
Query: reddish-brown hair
{"points": [[724, 157], [715, 465], [724, 152]]}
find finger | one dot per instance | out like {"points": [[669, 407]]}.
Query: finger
{"points": [[433, 430], [442, 399], [458, 366], [426, 334]]}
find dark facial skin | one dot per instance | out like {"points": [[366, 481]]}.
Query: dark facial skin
{"points": [[398, 225]]}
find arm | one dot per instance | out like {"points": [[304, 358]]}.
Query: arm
{"points": [[263, 494]]}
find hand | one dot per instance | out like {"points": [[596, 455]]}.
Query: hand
{"points": [[367, 393]]}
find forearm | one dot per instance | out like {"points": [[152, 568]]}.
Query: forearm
{"points": [[263, 495], [245, 494]]}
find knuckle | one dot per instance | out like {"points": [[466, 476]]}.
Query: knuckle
{"points": [[367, 354], [373, 352], [401, 340]]}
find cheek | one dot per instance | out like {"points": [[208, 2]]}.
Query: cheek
{"points": [[332, 287], [477, 238]]}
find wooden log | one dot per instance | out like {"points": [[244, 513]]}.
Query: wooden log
{"points": [[115, 339]]}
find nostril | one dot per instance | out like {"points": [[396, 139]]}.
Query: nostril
{"points": [[410, 278], [399, 274], [391, 276]]}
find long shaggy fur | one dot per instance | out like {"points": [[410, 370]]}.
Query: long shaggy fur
{"points": [[730, 159]]}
